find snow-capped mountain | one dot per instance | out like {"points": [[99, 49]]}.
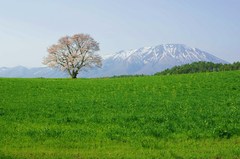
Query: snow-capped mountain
{"points": [[146, 60], [149, 60]]}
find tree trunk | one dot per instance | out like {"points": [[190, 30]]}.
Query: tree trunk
{"points": [[74, 74], [74, 77]]}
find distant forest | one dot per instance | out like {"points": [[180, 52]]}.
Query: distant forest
{"points": [[200, 67]]}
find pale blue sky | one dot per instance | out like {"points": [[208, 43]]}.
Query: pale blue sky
{"points": [[28, 27]]}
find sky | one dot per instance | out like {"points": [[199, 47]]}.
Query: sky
{"points": [[29, 27]]}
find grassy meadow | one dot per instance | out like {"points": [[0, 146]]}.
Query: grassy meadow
{"points": [[177, 116]]}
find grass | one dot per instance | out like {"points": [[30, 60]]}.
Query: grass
{"points": [[179, 116]]}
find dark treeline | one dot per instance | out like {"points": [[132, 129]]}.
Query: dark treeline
{"points": [[124, 76], [200, 67]]}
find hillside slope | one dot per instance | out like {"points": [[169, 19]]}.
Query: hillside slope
{"points": [[200, 66]]}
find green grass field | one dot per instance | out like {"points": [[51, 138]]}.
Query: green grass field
{"points": [[178, 116]]}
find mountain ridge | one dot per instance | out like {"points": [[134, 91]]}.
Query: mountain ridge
{"points": [[144, 60]]}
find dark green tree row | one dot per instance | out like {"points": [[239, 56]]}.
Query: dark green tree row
{"points": [[201, 66]]}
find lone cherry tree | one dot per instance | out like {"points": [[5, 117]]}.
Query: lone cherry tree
{"points": [[73, 54]]}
